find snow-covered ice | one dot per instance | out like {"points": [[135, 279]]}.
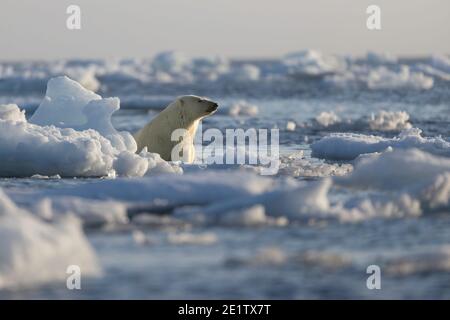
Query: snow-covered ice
{"points": [[70, 135]]}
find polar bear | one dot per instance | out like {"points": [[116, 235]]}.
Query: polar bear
{"points": [[184, 113]]}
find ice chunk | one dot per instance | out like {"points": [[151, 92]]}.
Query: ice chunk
{"points": [[396, 169], [242, 108], [327, 118], [296, 201], [399, 206], [421, 177], [63, 104], [34, 252], [290, 126], [383, 78], [130, 164], [27, 149], [389, 121], [68, 105], [11, 112], [70, 134]]}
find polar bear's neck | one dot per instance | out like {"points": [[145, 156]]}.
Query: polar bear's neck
{"points": [[192, 129]]}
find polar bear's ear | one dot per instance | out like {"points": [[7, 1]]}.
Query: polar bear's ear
{"points": [[182, 102]]}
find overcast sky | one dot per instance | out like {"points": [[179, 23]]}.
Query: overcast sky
{"points": [[36, 29]]}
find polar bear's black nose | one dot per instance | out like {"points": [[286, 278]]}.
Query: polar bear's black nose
{"points": [[213, 107]]}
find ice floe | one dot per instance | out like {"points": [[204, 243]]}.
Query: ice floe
{"points": [[70, 135], [418, 179], [348, 146]]}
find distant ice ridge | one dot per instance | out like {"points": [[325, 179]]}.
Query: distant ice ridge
{"points": [[438, 66], [177, 66], [383, 121], [33, 251], [440, 62], [70, 135], [376, 71], [241, 108], [384, 78], [378, 58], [313, 63], [380, 78], [348, 146]]}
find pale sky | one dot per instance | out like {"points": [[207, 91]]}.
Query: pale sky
{"points": [[36, 29]]}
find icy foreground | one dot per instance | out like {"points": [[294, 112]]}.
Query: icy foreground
{"points": [[70, 135], [33, 251], [399, 184]]}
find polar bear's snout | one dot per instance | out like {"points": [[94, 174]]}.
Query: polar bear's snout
{"points": [[213, 107]]}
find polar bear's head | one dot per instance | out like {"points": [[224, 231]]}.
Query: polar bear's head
{"points": [[195, 108]]}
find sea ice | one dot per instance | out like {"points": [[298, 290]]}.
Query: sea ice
{"points": [[419, 180], [33, 251], [348, 146]]}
